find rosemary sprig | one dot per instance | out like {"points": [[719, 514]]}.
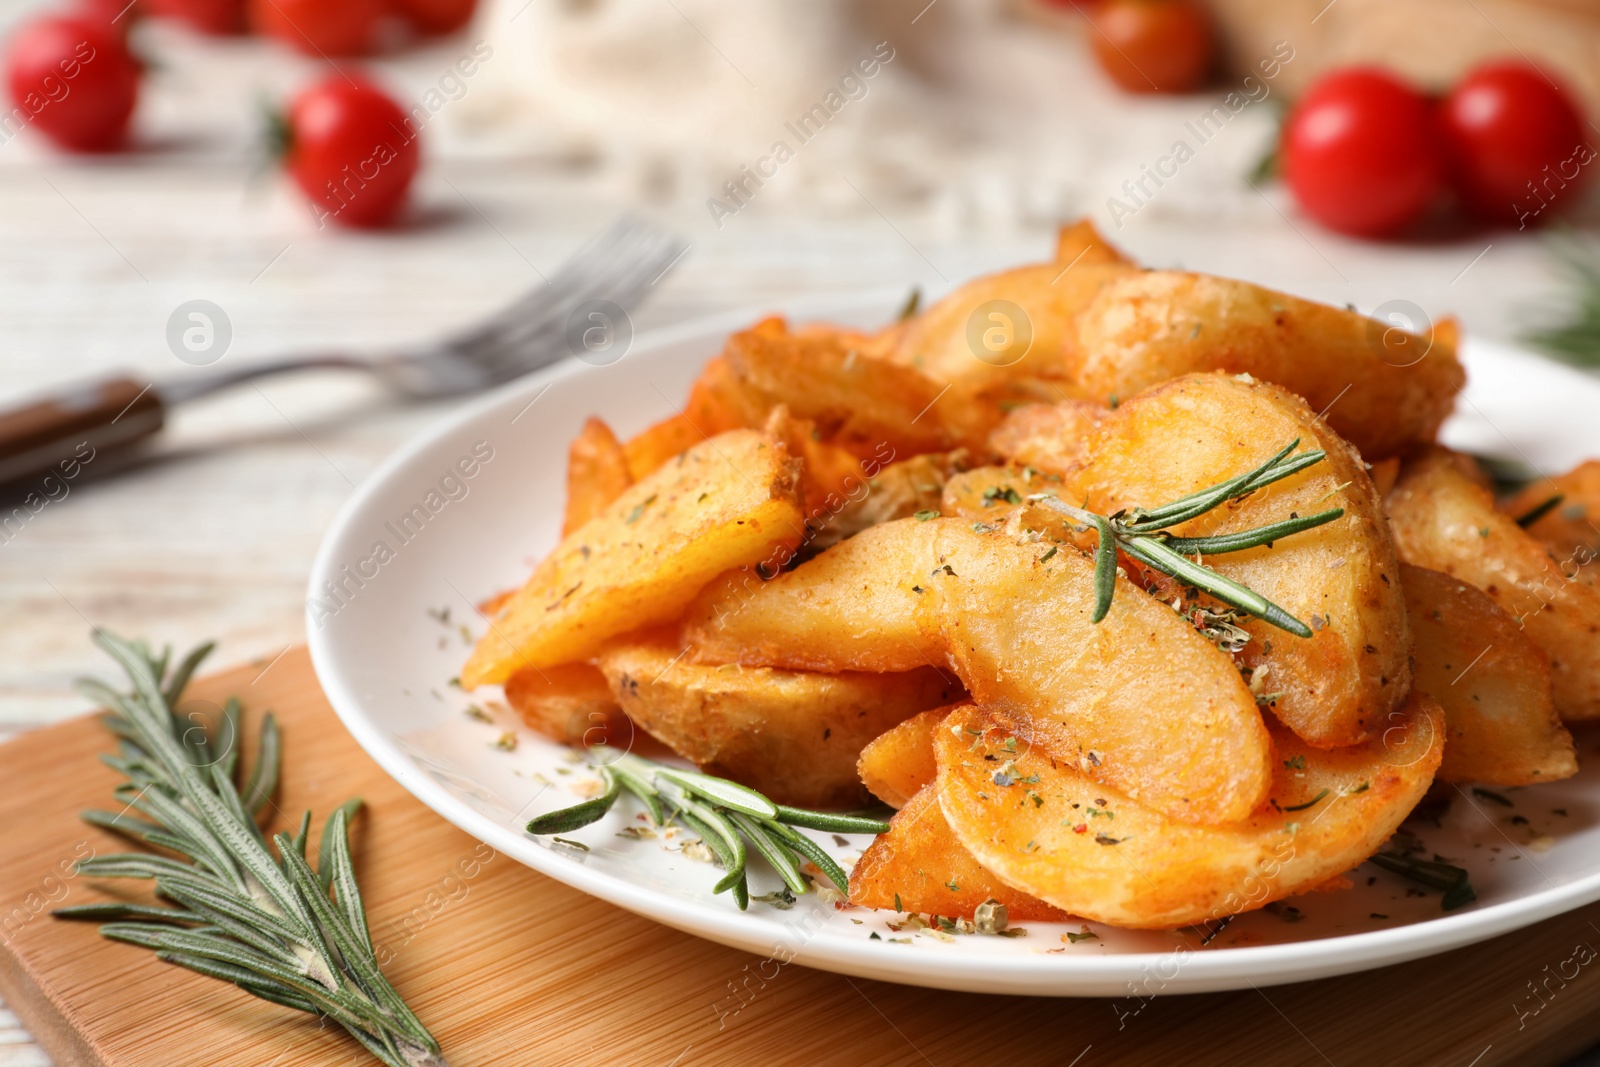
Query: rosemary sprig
{"points": [[725, 815], [265, 923], [1140, 532], [1577, 339]]}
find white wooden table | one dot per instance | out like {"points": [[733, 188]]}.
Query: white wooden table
{"points": [[214, 536]]}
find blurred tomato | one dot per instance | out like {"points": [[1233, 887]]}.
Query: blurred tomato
{"points": [[75, 79], [119, 13], [319, 27], [352, 150], [1517, 142], [436, 16], [217, 17], [1152, 46], [1361, 152]]}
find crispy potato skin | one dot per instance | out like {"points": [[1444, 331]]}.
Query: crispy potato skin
{"points": [[1152, 326], [597, 473], [1442, 520], [1047, 437], [912, 867], [570, 704], [1141, 698], [730, 502], [1572, 530], [1341, 578], [1493, 683], [899, 761], [795, 736], [1133, 867]]}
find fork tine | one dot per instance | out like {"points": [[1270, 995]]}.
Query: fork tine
{"points": [[635, 261], [573, 277]]}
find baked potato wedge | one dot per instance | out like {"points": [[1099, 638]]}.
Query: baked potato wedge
{"points": [[729, 502], [597, 473], [1492, 682], [919, 867], [1444, 521], [858, 401], [1382, 389], [1571, 529], [1340, 578], [1140, 699], [794, 735], [1047, 437], [1059, 835], [899, 761], [571, 704]]}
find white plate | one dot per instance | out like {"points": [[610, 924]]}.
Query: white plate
{"points": [[385, 662]]}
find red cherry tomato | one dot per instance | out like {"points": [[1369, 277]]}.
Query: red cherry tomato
{"points": [[436, 16], [352, 150], [1517, 143], [1152, 46], [319, 27], [1361, 152], [217, 17], [75, 79]]}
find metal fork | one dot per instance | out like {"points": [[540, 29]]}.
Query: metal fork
{"points": [[574, 314]]}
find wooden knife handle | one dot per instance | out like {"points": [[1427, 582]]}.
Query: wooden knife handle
{"points": [[76, 424]]}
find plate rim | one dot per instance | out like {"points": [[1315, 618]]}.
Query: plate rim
{"points": [[1218, 969]]}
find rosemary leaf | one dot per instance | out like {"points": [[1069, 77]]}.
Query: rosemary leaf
{"points": [[773, 850], [835, 824], [1105, 568], [1454, 881], [720, 791], [579, 815], [120, 910], [810, 850], [1539, 511], [264, 775], [1261, 535], [1158, 555]]}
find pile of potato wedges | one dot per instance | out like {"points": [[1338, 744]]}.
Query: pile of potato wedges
{"points": [[832, 574]]}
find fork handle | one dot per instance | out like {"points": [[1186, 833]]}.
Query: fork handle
{"points": [[63, 431]]}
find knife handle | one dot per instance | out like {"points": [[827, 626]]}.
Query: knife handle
{"points": [[72, 426]]}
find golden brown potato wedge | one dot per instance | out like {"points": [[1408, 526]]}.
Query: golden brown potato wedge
{"points": [[1047, 437], [729, 502], [796, 736], [1092, 851], [1340, 579], [899, 761], [1493, 683], [1571, 530], [597, 473], [989, 495], [919, 867], [974, 336], [852, 608], [1383, 390], [570, 703], [1081, 242], [1139, 699], [858, 401], [1444, 521]]}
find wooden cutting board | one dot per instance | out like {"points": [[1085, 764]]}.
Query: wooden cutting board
{"points": [[509, 967]]}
